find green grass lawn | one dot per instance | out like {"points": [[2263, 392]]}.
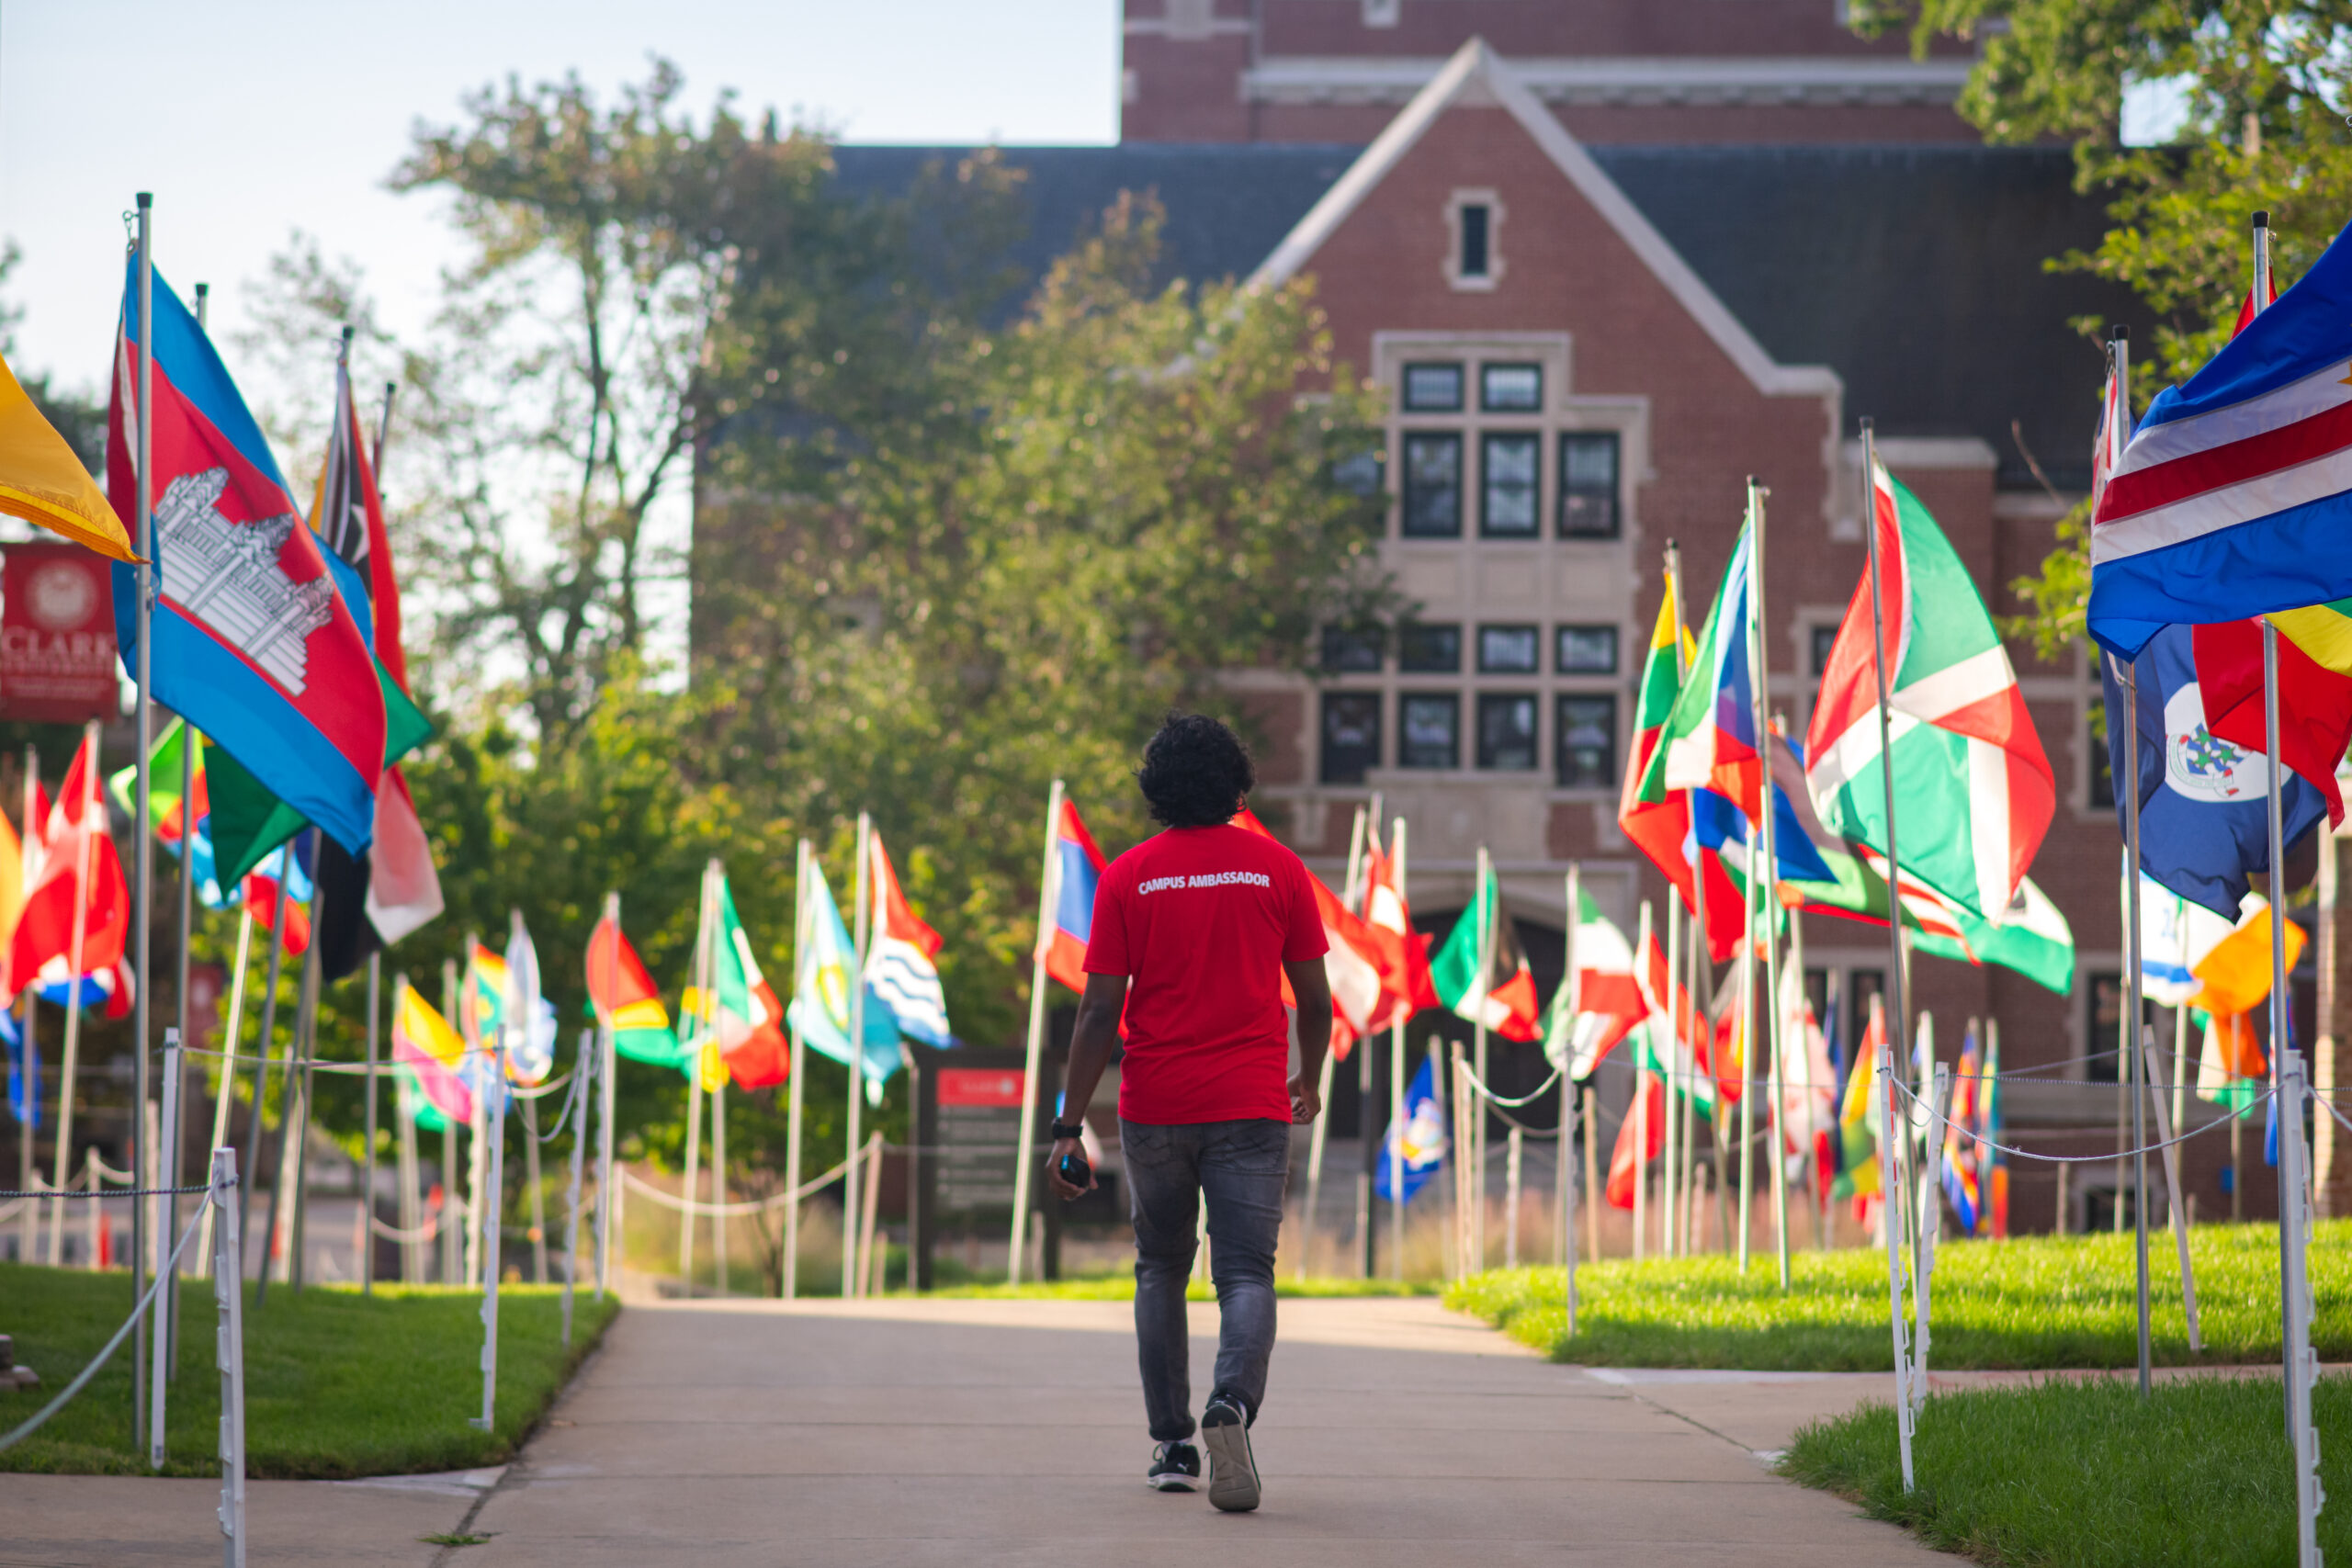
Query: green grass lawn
{"points": [[2088, 1475], [1121, 1287], [337, 1384], [2036, 1302]]}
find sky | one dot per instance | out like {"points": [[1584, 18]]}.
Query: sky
{"points": [[251, 118]]}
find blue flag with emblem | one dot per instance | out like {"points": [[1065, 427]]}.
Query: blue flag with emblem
{"points": [[1416, 1144]]}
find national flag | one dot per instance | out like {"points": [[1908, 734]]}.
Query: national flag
{"points": [[2314, 701], [2233, 981], [745, 1014], [24, 1073], [1973, 792], [1722, 829], [13, 863], [899, 956], [1503, 996], [2032, 936], [1074, 869], [482, 998], [2233, 494], [2203, 813], [1660, 828], [1633, 1153], [1808, 1082], [1675, 1040], [824, 961], [247, 822], [1416, 1140], [526, 1024], [261, 901], [1962, 1183], [424, 1043], [370, 898], [44, 482], [1861, 1116], [1404, 952], [1588, 1016], [2175, 937], [111, 990], [1710, 741], [623, 1000], [1362, 993], [76, 831], [254, 645]]}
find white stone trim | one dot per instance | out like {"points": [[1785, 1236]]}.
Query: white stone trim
{"points": [[1901, 452], [1781, 83]]}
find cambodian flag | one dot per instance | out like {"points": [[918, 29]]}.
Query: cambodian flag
{"points": [[1073, 869], [253, 645], [2234, 496]]}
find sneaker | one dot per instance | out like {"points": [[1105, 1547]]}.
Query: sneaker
{"points": [[1174, 1467], [1233, 1474]]}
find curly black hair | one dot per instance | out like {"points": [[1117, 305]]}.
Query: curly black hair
{"points": [[1195, 772]]}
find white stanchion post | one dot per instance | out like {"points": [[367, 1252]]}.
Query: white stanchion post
{"points": [[1513, 1150], [796, 1098], [493, 1199], [1931, 1226], [166, 1263], [1640, 1108], [228, 1295], [1048, 896], [608, 1196], [2172, 1186], [1891, 1205], [584, 1074], [861, 929], [2303, 1366], [1564, 1180]]}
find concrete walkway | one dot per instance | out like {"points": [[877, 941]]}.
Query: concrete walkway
{"points": [[973, 1433]]}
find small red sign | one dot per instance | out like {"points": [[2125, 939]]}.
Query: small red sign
{"points": [[980, 1085], [58, 663]]}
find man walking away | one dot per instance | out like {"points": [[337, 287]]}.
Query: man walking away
{"points": [[1194, 930]]}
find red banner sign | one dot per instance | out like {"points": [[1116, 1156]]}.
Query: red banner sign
{"points": [[979, 1086], [58, 663]]}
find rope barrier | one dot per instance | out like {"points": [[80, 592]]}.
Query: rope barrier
{"points": [[393, 1233], [1934, 1118], [732, 1210], [1471, 1079], [163, 1276], [359, 1069], [45, 1193]]}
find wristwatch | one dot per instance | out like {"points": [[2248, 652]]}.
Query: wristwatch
{"points": [[1069, 1129]]}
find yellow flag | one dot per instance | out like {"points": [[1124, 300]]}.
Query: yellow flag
{"points": [[44, 482]]}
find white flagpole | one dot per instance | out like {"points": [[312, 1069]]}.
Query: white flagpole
{"points": [[1898, 976], [1771, 886], [1641, 1107], [1564, 1170], [1746, 1033], [73, 994], [1048, 895], [1672, 1058], [2129, 1070], [142, 905], [1476, 1104], [794, 1092], [28, 1226], [1396, 1096], [1323, 1084], [700, 971], [607, 1195], [854, 1178]]}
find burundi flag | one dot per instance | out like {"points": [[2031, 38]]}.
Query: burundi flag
{"points": [[253, 643], [1416, 1145], [743, 1010], [824, 961], [1606, 996], [1974, 794], [623, 1000], [1503, 998], [898, 957]]}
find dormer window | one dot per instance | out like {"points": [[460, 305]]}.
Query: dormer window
{"points": [[1474, 220]]}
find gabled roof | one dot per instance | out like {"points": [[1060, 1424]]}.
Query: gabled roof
{"points": [[1477, 76]]}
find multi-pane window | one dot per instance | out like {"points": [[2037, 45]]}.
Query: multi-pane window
{"points": [[1433, 485], [1586, 650], [1508, 650], [1585, 741], [1588, 485], [1510, 388], [1823, 639], [1506, 731], [1510, 473], [1351, 736], [1351, 649], [1433, 389], [1429, 649], [1428, 730]]}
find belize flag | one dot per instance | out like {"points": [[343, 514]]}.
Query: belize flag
{"points": [[254, 645], [1073, 869], [2233, 497]]}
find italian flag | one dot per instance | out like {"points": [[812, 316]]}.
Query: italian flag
{"points": [[1503, 996], [1607, 998], [1974, 794]]}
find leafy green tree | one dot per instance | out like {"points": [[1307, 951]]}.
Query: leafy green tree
{"points": [[2263, 85]]}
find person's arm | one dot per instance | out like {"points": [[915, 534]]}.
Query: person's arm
{"points": [[1312, 986], [1091, 1040]]}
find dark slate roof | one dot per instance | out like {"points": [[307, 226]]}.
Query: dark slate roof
{"points": [[1915, 272]]}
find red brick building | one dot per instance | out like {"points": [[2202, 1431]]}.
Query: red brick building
{"points": [[1612, 257]]}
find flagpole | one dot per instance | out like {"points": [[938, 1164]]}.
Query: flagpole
{"points": [[143, 899], [73, 994], [1048, 891], [1315, 1141], [251, 1163], [1898, 1025], [1395, 1094], [793, 1092], [1747, 1036], [1563, 1174], [406, 1207], [368, 1170], [1670, 1065], [477, 1124], [1641, 1106], [29, 1227], [606, 1195], [855, 1176], [1366, 1072], [1698, 875], [1772, 886], [453, 1244], [699, 973], [306, 1031], [1477, 1104]]}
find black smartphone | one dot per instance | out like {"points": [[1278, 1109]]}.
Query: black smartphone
{"points": [[1075, 1170]]}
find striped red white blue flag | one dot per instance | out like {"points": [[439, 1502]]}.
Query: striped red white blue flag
{"points": [[2233, 497]]}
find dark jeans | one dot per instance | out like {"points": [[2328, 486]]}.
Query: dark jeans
{"points": [[1240, 1167]]}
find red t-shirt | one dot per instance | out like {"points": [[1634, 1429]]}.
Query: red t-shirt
{"points": [[1201, 920]]}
